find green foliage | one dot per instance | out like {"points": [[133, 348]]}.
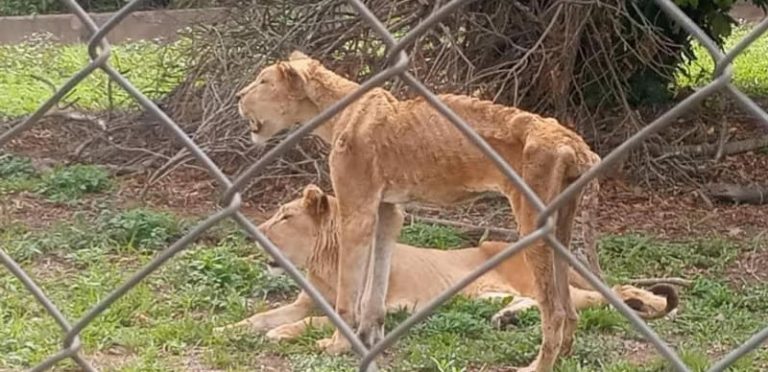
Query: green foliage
{"points": [[73, 182], [16, 174], [651, 85], [62, 184], [750, 68], [601, 320], [210, 276], [12, 166], [431, 236], [153, 68], [141, 228], [462, 316]]}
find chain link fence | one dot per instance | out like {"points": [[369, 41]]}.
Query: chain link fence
{"points": [[398, 64]]}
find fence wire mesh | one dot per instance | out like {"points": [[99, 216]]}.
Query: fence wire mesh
{"points": [[99, 51]]}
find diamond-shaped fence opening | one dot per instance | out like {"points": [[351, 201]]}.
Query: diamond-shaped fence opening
{"points": [[99, 51]]}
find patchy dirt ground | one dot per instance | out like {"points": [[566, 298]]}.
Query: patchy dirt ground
{"points": [[672, 212]]}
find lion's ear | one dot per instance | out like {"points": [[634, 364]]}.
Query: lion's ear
{"points": [[297, 55], [293, 76], [315, 200]]}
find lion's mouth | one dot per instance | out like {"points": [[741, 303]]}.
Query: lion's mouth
{"points": [[256, 137], [256, 126]]}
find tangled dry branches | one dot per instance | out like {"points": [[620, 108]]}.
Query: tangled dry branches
{"points": [[573, 60]]}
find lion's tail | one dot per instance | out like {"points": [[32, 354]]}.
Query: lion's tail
{"points": [[589, 208]]}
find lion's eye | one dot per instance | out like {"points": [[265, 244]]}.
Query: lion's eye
{"points": [[285, 217], [263, 81]]}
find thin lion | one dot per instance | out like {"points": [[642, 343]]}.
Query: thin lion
{"points": [[384, 152], [307, 231]]}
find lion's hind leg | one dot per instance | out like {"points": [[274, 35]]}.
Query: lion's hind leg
{"points": [[545, 170]]}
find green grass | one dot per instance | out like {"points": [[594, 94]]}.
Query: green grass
{"points": [[428, 235], [24, 68], [156, 69], [166, 321], [750, 68]]}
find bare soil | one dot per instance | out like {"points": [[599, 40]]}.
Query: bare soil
{"points": [[670, 212]]}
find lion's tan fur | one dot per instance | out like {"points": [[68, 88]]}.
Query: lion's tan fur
{"points": [[386, 152], [306, 230]]}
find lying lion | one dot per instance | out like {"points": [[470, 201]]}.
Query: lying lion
{"points": [[312, 221]]}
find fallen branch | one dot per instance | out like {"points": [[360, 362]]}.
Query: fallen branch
{"points": [[738, 194], [653, 281], [474, 231], [729, 148]]}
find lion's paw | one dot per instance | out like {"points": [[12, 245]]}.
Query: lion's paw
{"points": [[505, 319], [335, 345], [281, 333]]}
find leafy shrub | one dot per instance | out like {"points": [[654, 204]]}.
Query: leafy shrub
{"points": [[654, 84], [16, 174], [15, 167], [213, 274], [462, 316], [601, 319], [431, 236], [73, 182], [141, 228], [749, 67]]}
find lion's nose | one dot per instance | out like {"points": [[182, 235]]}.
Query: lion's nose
{"points": [[239, 94]]}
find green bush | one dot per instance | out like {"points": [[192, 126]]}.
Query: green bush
{"points": [[431, 236], [73, 182], [15, 167], [210, 276], [750, 67], [656, 84], [462, 316], [141, 228]]}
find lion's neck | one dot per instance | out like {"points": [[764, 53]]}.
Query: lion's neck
{"points": [[324, 259], [326, 88]]}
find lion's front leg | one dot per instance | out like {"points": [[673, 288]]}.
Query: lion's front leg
{"points": [[388, 228], [358, 225], [293, 330], [509, 315], [267, 320]]}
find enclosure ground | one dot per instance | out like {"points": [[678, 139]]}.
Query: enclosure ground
{"points": [[79, 246], [81, 231]]}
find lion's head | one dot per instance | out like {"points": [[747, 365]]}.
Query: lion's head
{"points": [[277, 98], [297, 226]]}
